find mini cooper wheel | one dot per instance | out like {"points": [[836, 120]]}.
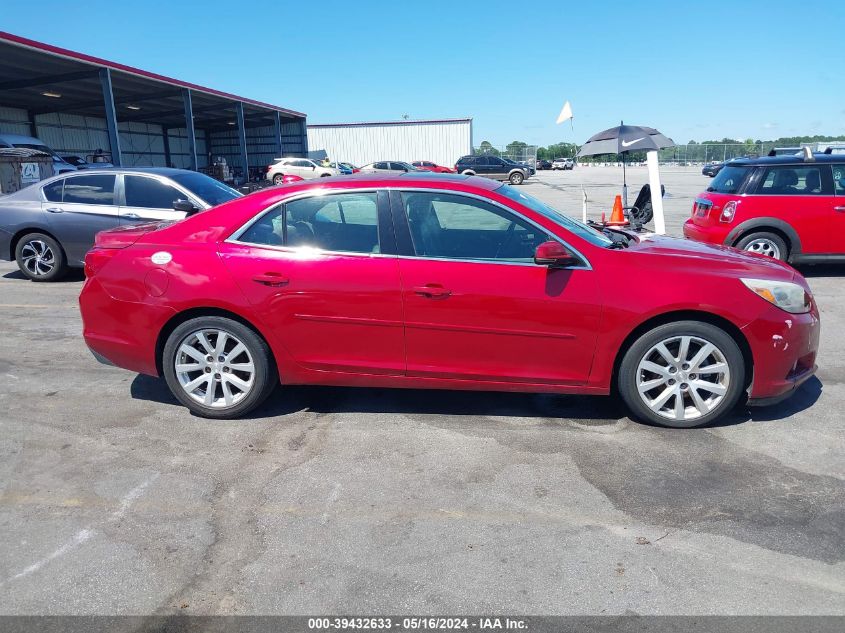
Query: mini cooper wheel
{"points": [[217, 367], [516, 178], [769, 244], [682, 374], [40, 257]]}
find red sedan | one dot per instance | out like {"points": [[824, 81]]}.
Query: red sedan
{"points": [[451, 283], [427, 165]]}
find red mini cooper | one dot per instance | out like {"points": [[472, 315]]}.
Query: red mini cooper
{"points": [[442, 282], [791, 208]]}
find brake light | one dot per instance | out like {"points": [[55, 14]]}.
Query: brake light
{"points": [[728, 212], [96, 258]]}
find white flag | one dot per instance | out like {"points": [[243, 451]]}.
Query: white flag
{"points": [[565, 114]]}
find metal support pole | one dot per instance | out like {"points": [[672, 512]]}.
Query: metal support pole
{"points": [[33, 129], [304, 132], [277, 130], [239, 112], [189, 128], [165, 136], [111, 117]]}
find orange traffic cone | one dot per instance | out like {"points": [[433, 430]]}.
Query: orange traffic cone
{"points": [[617, 217]]}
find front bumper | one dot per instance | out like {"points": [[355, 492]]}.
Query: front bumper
{"points": [[784, 347]]}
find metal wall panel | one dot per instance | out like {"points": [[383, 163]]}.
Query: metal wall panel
{"points": [[442, 142], [14, 121]]}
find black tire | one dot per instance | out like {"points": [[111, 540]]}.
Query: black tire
{"points": [[767, 241], [516, 178], [467, 172], [278, 179], [40, 257], [324, 175], [627, 378], [265, 374]]}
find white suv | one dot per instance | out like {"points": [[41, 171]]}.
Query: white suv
{"points": [[563, 163], [302, 167]]}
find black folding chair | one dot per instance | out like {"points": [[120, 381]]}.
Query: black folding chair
{"points": [[642, 211]]}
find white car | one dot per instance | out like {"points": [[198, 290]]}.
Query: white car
{"points": [[388, 166], [302, 167], [563, 163]]}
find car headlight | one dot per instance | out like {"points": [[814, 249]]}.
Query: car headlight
{"points": [[784, 294]]}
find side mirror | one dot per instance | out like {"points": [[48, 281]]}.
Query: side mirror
{"points": [[555, 255], [184, 206]]}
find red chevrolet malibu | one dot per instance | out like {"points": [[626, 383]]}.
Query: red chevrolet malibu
{"points": [[442, 282]]}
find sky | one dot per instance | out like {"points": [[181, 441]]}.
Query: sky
{"points": [[758, 69]]}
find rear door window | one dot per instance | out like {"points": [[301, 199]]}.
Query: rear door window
{"points": [[53, 191], [795, 180], [149, 193], [342, 222], [97, 189]]}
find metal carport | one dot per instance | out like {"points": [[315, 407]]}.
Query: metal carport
{"points": [[77, 103]]}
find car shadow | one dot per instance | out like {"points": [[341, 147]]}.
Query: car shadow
{"points": [[821, 270], [72, 275], [595, 410]]}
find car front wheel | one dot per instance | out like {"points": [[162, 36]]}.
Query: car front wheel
{"points": [[40, 257], [516, 178], [682, 374], [218, 367]]}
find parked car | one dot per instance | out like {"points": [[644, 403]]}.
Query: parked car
{"points": [[544, 164], [388, 166], [531, 170], [711, 169], [48, 227], [563, 163], [345, 168], [476, 286], [492, 167], [786, 207], [80, 163], [60, 165], [427, 165], [305, 168]]}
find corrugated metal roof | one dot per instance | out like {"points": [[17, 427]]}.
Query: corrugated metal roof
{"points": [[97, 61], [400, 122]]}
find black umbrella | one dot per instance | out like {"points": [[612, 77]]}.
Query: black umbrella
{"points": [[624, 139]]}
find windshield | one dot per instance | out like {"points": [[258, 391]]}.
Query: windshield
{"points": [[729, 179], [212, 191], [570, 224]]}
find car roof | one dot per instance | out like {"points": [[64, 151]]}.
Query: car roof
{"points": [[158, 171], [787, 160]]}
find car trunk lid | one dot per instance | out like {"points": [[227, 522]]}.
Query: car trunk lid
{"points": [[125, 236]]}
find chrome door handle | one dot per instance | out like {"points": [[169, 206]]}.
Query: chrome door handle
{"points": [[132, 216], [54, 210], [840, 209], [274, 280], [432, 292]]}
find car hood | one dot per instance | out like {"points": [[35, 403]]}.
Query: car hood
{"points": [[661, 251]]}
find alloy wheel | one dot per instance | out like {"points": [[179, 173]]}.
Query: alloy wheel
{"points": [[683, 378], [38, 258], [763, 246], [214, 368]]}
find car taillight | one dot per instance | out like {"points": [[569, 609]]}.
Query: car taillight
{"points": [[728, 212], [96, 258]]}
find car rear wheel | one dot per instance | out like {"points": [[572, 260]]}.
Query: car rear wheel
{"points": [[682, 374], [40, 257], [516, 178], [769, 244], [279, 179], [217, 367]]}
